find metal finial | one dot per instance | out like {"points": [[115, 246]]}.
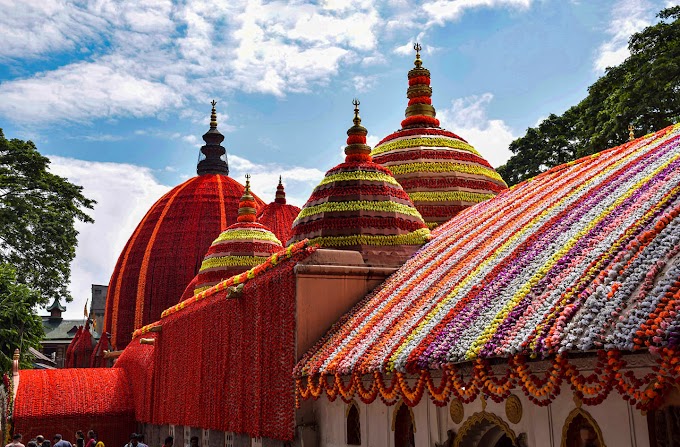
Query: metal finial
{"points": [[417, 47], [280, 180], [213, 115], [357, 118], [247, 182], [631, 133]]}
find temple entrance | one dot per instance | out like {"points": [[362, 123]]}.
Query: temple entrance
{"points": [[404, 429], [485, 430], [581, 430]]}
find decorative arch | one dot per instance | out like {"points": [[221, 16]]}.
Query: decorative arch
{"points": [[576, 414], [482, 423], [352, 424], [396, 410]]}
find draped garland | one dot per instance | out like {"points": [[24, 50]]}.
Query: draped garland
{"points": [[610, 375], [581, 258]]}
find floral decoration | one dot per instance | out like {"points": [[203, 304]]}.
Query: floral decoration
{"points": [[581, 258]]}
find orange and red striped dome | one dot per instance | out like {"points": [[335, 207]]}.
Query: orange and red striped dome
{"points": [[165, 251], [439, 170]]}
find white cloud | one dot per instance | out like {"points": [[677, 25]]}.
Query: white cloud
{"points": [[442, 11], [467, 117], [115, 219], [628, 17]]}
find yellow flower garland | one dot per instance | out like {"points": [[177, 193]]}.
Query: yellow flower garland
{"points": [[359, 175], [231, 235], [426, 142], [408, 168], [357, 206], [232, 261], [450, 196], [417, 237]]}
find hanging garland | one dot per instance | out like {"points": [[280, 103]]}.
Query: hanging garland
{"points": [[611, 373]]}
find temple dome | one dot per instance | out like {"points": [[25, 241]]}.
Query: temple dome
{"points": [[360, 206], [242, 246], [165, 251], [279, 215], [439, 170]]}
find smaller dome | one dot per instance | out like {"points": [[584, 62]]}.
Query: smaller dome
{"points": [[279, 215], [360, 206], [240, 247], [439, 170]]}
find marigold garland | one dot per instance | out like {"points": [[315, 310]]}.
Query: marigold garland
{"points": [[359, 175], [384, 206], [407, 168], [408, 143], [450, 196], [413, 238]]}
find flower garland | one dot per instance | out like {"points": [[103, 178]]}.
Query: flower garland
{"points": [[382, 206], [423, 141], [413, 238], [611, 373], [575, 260], [420, 154], [450, 196], [408, 168], [367, 176], [422, 131], [248, 234]]}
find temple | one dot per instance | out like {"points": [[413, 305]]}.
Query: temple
{"points": [[414, 300]]}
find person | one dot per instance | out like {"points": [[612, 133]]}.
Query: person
{"points": [[58, 441], [39, 439], [46, 443], [140, 440], [31, 444], [133, 441], [168, 441], [16, 441], [99, 443], [80, 439], [90, 439], [193, 442]]}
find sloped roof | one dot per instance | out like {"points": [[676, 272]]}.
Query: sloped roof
{"points": [[582, 257]]}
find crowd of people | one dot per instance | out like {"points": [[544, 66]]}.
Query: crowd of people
{"points": [[136, 440]]}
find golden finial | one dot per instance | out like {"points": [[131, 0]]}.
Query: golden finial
{"points": [[631, 133], [280, 180], [357, 118], [417, 62], [213, 115], [247, 183]]}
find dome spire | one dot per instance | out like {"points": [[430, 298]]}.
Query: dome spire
{"points": [[213, 150], [357, 150], [280, 193], [420, 112], [246, 208]]}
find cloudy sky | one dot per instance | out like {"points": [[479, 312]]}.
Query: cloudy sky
{"points": [[117, 92]]}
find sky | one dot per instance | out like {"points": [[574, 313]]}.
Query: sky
{"points": [[117, 93]]}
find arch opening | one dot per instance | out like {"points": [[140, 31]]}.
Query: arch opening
{"points": [[353, 425]]}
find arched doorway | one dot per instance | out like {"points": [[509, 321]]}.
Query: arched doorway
{"points": [[352, 424], [403, 426], [485, 430], [581, 430]]}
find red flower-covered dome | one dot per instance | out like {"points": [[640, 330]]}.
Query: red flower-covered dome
{"points": [[360, 206], [240, 247], [279, 215], [439, 170], [166, 249]]}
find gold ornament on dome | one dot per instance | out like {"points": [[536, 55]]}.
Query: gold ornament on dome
{"points": [[513, 409], [457, 411]]}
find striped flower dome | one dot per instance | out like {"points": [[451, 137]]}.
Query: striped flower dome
{"points": [[240, 247], [279, 215], [439, 170], [360, 206]]}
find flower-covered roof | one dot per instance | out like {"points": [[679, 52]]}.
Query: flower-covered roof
{"points": [[360, 206], [278, 216], [240, 247], [582, 257], [439, 170], [149, 276]]}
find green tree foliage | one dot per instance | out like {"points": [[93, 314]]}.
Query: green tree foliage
{"points": [[20, 327], [643, 91], [38, 211]]}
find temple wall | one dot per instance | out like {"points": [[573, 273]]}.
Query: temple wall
{"points": [[620, 423]]}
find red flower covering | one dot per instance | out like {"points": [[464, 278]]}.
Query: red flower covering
{"points": [[97, 359], [279, 217], [225, 364], [414, 155], [66, 400], [150, 276], [82, 349], [138, 362], [411, 132], [68, 360], [420, 120]]}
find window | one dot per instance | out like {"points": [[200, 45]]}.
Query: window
{"points": [[353, 425], [228, 439], [256, 442], [404, 431]]}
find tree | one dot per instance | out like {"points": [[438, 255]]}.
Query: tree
{"points": [[20, 327], [643, 91], [38, 211]]}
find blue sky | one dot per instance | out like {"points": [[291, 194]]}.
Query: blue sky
{"points": [[118, 92]]}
